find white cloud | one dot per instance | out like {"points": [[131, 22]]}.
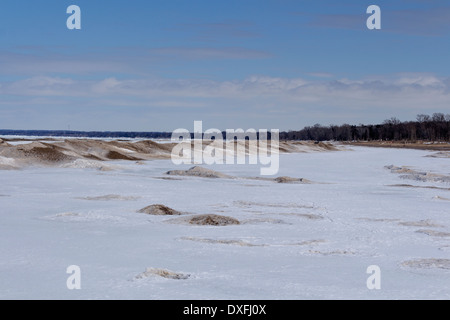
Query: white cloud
{"points": [[38, 86], [375, 90], [105, 86], [291, 102]]}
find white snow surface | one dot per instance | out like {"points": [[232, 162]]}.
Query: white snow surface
{"points": [[295, 241]]}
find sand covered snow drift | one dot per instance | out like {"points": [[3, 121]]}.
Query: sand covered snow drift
{"points": [[162, 273], [159, 210], [206, 220], [198, 172], [424, 176], [82, 153], [91, 153]]}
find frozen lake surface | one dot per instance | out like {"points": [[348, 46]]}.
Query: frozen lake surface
{"points": [[295, 241]]}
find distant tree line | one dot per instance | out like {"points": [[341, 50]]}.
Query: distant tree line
{"points": [[429, 128], [426, 127]]}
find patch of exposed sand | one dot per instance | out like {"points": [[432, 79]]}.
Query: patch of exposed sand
{"points": [[199, 172], [206, 220], [283, 179], [427, 263], [208, 173], [116, 155], [119, 150], [162, 273], [273, 221], [441, 154], [89, 164], [421, 223], [3, 143], [213, 220], [332, 252], [159, 210], [434, 233], [411, 174], [286, 179], [286, 146], [36, 153], [307, 146], [312, 242]]}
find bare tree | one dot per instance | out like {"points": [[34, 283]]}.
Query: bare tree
{"points": [[423, 118]]}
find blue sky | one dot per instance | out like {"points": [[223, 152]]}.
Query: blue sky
{"points": [[159, 65]]}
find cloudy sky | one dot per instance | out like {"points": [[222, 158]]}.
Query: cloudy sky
{"points": [[158, 65]]}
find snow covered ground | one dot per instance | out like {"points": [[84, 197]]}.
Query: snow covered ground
{"points": [[295, 241]]}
